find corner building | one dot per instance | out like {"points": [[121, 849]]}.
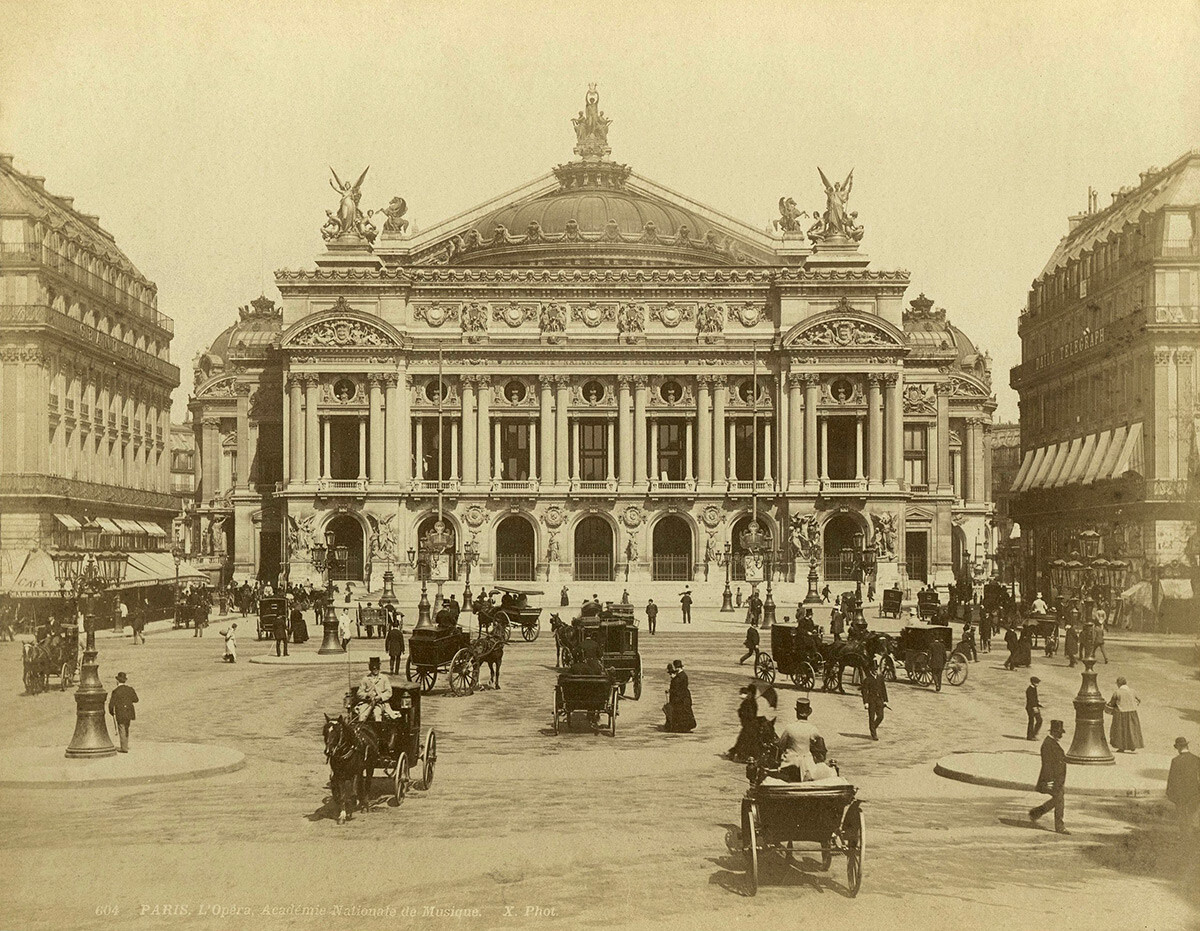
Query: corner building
{"points": [[603, 379]]}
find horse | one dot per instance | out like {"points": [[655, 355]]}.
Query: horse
{"points": [[493, 656], [42, 660], [353, 753], [838, 656], [566, 639]]}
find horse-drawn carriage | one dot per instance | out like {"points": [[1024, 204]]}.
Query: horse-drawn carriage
{"points": [[272, 614], [191, 608], [355, 750], [778, 816], [593, 695], [513, 610], [452, 650], [1043, 628], [616, 639], [929, 608], [891, 603], [913, 650], [795, 653], [57, 654]]}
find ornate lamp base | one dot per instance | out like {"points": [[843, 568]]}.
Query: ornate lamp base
{"points": [[330, 642], [91, 731], [1088, 745], [727, 600], [813, 597]]}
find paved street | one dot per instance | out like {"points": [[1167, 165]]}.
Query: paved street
{"points": [[594, 831]]}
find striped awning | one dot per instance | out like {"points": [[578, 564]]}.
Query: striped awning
{"points": [[152, 529], [69, 522], [108, 526], [1083, 459], [131, 527], [1098, 454], [1026, 463]]}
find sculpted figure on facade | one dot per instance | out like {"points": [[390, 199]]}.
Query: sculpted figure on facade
{"points": [[789, 217], [836, 222], [395, 211], [885, 535], [591, 128], [300, 535], [553, 554], [806, 535], [710, 318], [349, 219], [631, 318], [553, 318]]}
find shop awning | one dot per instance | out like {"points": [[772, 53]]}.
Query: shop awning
{"points": [[1114, 451], [1141, 594], [1023, 471], [1130, 459], [147, 569], [1039, 458], [108, 526], [35, 578], [131, 527], [69, 522], [152, 529], [1093, 467], [1054, 461], [1068, 464], [1079, 466]]}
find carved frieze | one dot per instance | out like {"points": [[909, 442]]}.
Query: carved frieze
{"points": [[671, 315], [594, 314], [919, 399], [844, 334], [435, 314], [514, 314], [341, 333]]}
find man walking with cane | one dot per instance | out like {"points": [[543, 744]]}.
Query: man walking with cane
{"points": [[1052, 778], [282, 632], [751, 643], [1033, 709]]}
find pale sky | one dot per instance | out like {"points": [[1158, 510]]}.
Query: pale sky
{"points": [[201, 132]]}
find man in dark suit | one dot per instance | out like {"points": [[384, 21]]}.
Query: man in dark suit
{"points": [[1033, 709], [685, 603], [1053, 778], [875, 696], [751, 643], [282, 624], [1183, 785], [937, 661], [120, 706]]}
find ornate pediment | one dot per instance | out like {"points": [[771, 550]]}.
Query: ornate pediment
{"points": [[342, 328], [218, 388], [964, 386], [844, 329]]}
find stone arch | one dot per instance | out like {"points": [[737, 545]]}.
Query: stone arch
{"points": [[672, 548], [838, 531], [594, 547], [516, 547], [739, 523]]}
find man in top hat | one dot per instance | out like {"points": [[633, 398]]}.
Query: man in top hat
{"points": [[120, 706], [394, 643], [801, 743], [685, 603], [1033, 709], [1052, 778], [374, 694], [1183, 784], [874, 695]]}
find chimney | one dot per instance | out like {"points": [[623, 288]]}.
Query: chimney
{"points": [[1074, 221], [6, 160], [39, 183]]}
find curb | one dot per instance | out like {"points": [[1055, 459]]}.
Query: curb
{"points": [[942, 768], [235, 764]]}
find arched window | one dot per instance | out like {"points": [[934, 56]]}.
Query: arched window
{"points": [[515, 555], [672, 550], [593, 550]]}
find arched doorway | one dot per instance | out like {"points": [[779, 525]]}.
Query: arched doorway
{"points": [[672, 550], [347, 534], [515, 551], [741, 526], [593, 550], [451, 546], [842, 537]]}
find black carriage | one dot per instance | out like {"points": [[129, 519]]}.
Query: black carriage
{"points": [[891, 604], [272, 613], [913, 650], [794, 652], [513, 610], [431, 650], [780, 817], [57, 654], [401, 747], [463, 673], [1043, 629], [586, 694], [617, 639]]}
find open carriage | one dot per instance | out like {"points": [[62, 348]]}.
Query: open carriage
{"points": [[586, 694], [512, 609], [913, 650], [57, 654]]}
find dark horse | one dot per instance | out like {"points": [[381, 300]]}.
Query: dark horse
{"points": [[566, 639], [353, 754], [855, 654], [491, 653]]}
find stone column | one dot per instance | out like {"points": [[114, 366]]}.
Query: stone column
{"points": [[689, 474], [875, 423], [704, 428], [562, 409], [1185, 413], [894, 415], [653, 465], [795, 384], [312, 429], [1158, 443], [732, 433], [546, 412], [533, 450], [375, 393], [325, 447], [497, 453], [720, 457], [610, 447], [766, 456], [639, 428], [575, 448], [811, 383], [395, 428], [243, 436], [625, 430], [483, 430], [974, 460], [469, 441], [296, 427], [943, 422], [362, 449], [986, 432], [211, 454], [454, 431], [858, 448], [824, 449], [782, 433], [419, 427]]}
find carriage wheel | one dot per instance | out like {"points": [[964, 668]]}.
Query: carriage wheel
{"points": [[764, 668], [637, 686], [462, 673], [430, 758], [64, 676], [956, 669], [557, 701], [530, 631], [826, 856], [856, 849], [408, 669], [507, 633], [750, 841], [832, 680], [805, 676], [612, 713], [889, 669], [426, 677], [921, 673], [402, 780]]}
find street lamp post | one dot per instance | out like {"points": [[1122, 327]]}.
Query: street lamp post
{"points": [[723, 559], [434, 546], [87, 575], [468, 557], [324, 556], [768, 617], [177, 555], [423, 604]]}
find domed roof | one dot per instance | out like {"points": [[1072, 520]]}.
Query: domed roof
{"points": [[258, 328]]}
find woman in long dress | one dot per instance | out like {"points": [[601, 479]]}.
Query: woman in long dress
{"points": [[1126, 732]]}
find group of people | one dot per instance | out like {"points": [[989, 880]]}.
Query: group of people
{"points": [[796, 752]]}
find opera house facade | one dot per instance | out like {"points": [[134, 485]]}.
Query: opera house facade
{"points": [[594, 378]]}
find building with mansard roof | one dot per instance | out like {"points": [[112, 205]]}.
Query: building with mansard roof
{"points": [[594, 379], [1107, 385], [85, 387]]}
